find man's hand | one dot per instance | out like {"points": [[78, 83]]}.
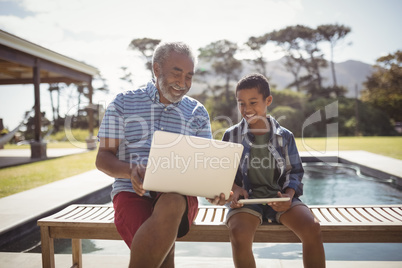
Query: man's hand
{"points": [[221, 199], [137, 178], [237, 192]]}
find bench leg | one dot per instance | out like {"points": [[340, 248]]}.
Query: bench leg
{"points": [[47, 248], [77, 252]]}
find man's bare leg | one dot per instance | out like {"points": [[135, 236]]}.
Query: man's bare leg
{"points": [[154, 240]]}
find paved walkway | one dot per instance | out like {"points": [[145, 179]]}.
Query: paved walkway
{"points": [[17, 209], [33, 260], [29, 205]]}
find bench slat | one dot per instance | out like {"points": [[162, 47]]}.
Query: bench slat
{"points": [[337, 215], [346, 214], [397, 210], [368, 216], [327, 214], [208, 218], [393, 214], [98, 214], [356, 215], [200, 215], [384, 214], [93, 215], [376, 213], [87, 211], [318, 215]]}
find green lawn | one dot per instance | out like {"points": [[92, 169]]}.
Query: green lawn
{"points": [[388, 146], [24, 177]]}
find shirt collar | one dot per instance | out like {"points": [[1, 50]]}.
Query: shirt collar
{"points": [[274, 129]]}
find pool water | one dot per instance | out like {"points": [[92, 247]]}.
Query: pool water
{"points": [[324, 184], [340, 184]]}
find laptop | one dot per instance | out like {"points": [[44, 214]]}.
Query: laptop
{"points": [[191, 165]]}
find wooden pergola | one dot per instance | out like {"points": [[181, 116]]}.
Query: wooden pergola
{"points": [[23, 62]]}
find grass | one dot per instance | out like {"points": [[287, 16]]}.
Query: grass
{"points": [[20, 178], [387, 146], [24, 177]]}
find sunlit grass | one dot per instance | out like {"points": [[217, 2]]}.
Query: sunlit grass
{"points": [[28, 176], [387, 146]]}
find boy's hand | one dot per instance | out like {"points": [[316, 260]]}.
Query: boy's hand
{"points": [[137, 178], [221, 199], [283, 205]]}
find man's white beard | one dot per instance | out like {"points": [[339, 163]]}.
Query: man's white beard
{"points": [[164, 89]]}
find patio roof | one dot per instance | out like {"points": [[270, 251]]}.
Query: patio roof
{"points": [[23, 62], [18, 57]]}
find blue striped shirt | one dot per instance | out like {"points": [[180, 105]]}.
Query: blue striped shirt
{"points": [[133, 116]]}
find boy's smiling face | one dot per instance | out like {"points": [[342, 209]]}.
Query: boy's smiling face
{"points": [[253, 106]]}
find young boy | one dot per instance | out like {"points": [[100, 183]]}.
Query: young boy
{"points": [[270, 167]]}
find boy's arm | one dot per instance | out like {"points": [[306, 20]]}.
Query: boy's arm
{"points": [[294, 173], [294, 168]]}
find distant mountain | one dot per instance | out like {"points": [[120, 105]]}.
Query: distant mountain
{"points": [[349, 74]]}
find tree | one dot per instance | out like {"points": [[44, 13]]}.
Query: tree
{"points": [[294, 66], [57, 120], [72, 93], [333, 33], [126, 76], [301, 46], [383, 88], [256, 44], [146, 46], [224, 64], [290, 44], [29, 132], [315, 60]]}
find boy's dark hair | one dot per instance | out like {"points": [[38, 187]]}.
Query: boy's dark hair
{"points": [[255, 81]]}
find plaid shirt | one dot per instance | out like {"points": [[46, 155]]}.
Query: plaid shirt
{"points": [[289, 169]]}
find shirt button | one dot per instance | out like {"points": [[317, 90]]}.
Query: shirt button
{"points": [[161, 128], [165, 109]]}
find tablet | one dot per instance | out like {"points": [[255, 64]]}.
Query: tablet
{"points": [[263, 200]]}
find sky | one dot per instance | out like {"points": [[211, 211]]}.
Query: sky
{"points": [[98, 33]]}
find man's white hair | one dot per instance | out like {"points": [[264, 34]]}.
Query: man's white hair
{"points": [[163, 50]]}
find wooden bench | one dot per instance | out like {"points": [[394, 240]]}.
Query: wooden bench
{"points": [[339, 224]]}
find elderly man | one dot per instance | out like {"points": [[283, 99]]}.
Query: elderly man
{"points": [[150, 222]]}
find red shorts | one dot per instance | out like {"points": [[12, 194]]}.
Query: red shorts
{"points": [[132, 210]]}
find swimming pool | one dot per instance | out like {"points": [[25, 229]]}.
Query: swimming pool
{"points": [[341, 184], [324, 184]]}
